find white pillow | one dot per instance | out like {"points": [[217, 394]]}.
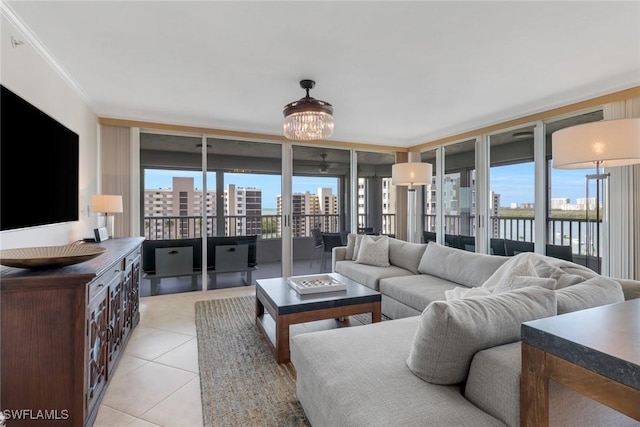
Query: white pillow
{"points": [[451, 332], [351, 246], [358, 240], [519, 265], [356, 246], [374, 252]]}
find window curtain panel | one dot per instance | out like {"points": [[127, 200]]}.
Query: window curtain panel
{"points": [[624, 207], [116, 157]]}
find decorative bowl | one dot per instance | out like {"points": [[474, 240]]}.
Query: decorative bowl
{"points": [[49, 256]]}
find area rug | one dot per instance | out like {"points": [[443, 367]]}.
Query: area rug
{"points": [[241, 383]]}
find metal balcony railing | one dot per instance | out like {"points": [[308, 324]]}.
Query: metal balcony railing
{"points": [[571, 232], [568, 232]]}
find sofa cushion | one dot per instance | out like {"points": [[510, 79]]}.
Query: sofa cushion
{"points": [[447, 263], [374, 252], [416, 291], [368, 275], [358, 377], [405, 254], [594, 292], [451, 332]]}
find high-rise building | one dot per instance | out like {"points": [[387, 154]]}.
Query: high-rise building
{"points": [[243, 208], [183, 206], [311, 210]]}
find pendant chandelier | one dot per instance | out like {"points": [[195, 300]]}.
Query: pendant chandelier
{"points": [[308, 118]]}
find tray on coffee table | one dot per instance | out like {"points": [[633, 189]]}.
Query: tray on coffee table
{"points": [[315, 283]]}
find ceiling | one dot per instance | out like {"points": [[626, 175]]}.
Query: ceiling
{"points": [[397, 73]]}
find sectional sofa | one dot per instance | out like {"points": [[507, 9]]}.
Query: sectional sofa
{"points": [[450, 355]]}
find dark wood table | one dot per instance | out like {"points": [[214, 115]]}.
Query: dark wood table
{"points": [[287, 307], [595, 352]]}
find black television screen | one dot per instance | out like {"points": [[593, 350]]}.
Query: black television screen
{"points": [[39, 166]]}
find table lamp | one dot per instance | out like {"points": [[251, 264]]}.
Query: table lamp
{"points": [[107, 204]]}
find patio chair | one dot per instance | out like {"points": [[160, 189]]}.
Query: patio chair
{"points": [[330, 241], [317, 236]]}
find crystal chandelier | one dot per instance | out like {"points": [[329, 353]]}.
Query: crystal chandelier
{"points": [[308, 118]]}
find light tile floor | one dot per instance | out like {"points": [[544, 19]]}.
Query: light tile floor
{"points": [[156, 382]]}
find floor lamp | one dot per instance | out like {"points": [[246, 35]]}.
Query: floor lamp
{"points": [[602, 144], [410, 175], [107, 204]]}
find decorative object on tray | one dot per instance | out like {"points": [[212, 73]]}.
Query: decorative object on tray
{"points": [[49, 256], [312, 284]]}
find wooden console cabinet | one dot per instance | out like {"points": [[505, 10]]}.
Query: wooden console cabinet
{"points": [[62, 333]]}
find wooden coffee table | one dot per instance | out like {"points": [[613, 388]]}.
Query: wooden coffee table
{"points": [[287, 307]]}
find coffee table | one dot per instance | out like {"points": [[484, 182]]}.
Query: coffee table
{"points": [[287, 307]]}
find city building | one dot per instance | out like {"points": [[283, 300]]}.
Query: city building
{"points": [[310, 211], [183, 206]]}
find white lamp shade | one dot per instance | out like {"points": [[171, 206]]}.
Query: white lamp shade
{"points": [[608, 142], [413, 173], [106, 203]]}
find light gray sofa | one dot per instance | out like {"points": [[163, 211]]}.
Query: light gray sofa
{"points": [[445, 363]]}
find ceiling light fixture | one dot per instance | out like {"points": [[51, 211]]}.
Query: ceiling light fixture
{"points": [[308, 118]]}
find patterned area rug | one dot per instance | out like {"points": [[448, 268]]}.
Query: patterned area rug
{"points": [[241, 383]]}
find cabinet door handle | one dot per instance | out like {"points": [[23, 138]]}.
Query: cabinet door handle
{"points": [[101, 285]]}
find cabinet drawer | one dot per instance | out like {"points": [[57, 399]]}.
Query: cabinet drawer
{"points": [[103, 280], [132, 258]]}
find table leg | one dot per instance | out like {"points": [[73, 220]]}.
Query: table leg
{"points": [[534, 388], [282, 339], [376, 314], [259, 308]]}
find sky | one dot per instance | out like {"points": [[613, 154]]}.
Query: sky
{"points": [[514, 183]]}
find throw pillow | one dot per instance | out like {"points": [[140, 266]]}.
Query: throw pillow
{"points": [[594, 292], [351, 245], [374, 252], [519, 265], [521, 275], [356, 247], [451, 332], [563, 279]]}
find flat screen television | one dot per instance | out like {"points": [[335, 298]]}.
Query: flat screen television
{"points": [[39, 166]]}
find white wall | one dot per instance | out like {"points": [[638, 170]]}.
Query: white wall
{"points": [[25, 72]]}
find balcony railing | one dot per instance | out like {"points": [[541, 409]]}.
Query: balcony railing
{"points": [[568, 232], [264, 226], [571, 232]]}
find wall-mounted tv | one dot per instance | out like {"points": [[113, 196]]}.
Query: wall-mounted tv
{"points": [[39, 166]]}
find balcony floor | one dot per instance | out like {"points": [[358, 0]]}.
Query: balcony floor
{"points": [[173, 285]]}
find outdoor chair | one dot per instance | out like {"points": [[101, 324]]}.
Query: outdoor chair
{"points": [[560, 252], [318, 243], [330, 241]]}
